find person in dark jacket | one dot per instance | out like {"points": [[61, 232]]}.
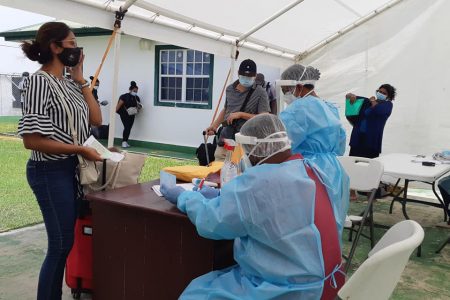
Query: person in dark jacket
{"points": [[367, 134], [127, 107], [95, 89]]}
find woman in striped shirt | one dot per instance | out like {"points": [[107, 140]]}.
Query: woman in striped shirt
{"points": [[52, 168]]}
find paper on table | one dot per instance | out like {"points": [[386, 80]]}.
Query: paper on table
{"points": [[104, 153], [186, 186]]}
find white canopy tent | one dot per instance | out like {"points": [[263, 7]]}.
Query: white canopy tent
{"points": [[357, 45]]}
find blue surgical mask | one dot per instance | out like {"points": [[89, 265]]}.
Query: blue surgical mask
{"points": [[133, 93], [246, 81], [381, 96]]}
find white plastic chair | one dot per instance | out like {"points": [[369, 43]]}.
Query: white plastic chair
{"points": [[365, 176], [377, 277]]}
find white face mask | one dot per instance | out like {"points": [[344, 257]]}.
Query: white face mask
{"points": [[289, 98], [133, 93]]}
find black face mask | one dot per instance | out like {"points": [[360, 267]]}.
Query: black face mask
{"points": [[70, 56]]}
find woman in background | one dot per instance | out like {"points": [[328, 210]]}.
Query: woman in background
{"points": [[127, 107], [368, 127], [367, 134]]}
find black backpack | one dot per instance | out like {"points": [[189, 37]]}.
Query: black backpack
{"points": [[201, 150], [201, 153]]}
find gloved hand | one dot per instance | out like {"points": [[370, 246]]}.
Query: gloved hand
{"points": [[171, 194], [207, 192]]}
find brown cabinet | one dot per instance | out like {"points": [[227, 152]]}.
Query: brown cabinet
{"points": [[145, 248]]}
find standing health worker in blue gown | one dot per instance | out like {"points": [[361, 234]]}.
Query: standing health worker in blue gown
{"points": [[316, 132]]}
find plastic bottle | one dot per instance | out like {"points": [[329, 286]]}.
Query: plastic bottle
{"points": [[229, 169]]}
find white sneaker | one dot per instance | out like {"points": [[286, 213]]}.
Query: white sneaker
{"points": [[125, 145]]}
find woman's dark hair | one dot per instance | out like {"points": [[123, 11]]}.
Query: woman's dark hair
{"points": [[133, 85], [92, 78], [392, 91], [39, 49]]}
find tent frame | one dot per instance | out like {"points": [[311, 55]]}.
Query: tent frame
{"points": [[345, 30]]}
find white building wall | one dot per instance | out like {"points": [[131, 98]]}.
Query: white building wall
{"points": [[160, 124]]}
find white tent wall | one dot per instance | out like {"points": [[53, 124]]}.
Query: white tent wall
{"points": [[160, 124], [406, 46]]}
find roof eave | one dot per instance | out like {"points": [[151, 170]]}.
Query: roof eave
{"points": [[31, 34]]}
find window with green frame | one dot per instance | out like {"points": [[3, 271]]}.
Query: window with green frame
{"points": [[183, 77]]}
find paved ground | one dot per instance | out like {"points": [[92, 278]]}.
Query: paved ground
{"points": [[21, 256]]}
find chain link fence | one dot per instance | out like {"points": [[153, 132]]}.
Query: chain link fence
{"points": [[10, 104]]}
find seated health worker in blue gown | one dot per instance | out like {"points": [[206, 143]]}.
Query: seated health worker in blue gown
{"points": [[316, 132], [286, 242]]}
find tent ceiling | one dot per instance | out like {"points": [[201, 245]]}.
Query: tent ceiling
{"points": [[298, 30], [212, 25]]}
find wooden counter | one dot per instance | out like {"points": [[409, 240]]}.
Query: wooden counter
{"points": [[145, 248]]}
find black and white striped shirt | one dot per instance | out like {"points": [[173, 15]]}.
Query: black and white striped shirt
{"points": [[44, 112]]}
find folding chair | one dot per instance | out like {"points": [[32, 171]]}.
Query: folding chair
{"points": [[444, 188], [378, 276], [365, 175]]}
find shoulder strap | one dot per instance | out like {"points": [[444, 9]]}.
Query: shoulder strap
{"points": [[74, 133], [247, 98]]}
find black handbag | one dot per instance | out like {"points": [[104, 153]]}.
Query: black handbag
{"points": [[229, 131]]}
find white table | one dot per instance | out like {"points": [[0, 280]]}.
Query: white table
{"points": [[401, 166]]}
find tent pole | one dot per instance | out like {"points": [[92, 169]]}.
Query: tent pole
{"points": [[127, 5], [348, 8], [114, 100], [191, 23], [268, 20], [347, 29], [284, 53]]}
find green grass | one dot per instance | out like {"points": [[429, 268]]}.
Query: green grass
{"points": [[18, 206], [8, 124]]}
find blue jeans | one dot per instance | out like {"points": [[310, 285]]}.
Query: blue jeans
{"points": [[55, 186]]}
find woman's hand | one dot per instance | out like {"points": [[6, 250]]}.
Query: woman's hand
{"points": [[233, 116], [373, 101], [90, 154], [77, 72], [351, 97]]}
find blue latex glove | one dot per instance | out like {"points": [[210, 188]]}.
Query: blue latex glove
{"points": [[171, 194], [208, 192]]}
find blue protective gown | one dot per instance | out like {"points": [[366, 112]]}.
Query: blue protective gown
{"points": [[314, 128], [269, 212]]}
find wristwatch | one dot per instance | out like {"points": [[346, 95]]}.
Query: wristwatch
{"points": [[85, 84]]}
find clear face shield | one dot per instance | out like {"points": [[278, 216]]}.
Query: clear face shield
{"points": [[289, 87], [261, 149]]}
